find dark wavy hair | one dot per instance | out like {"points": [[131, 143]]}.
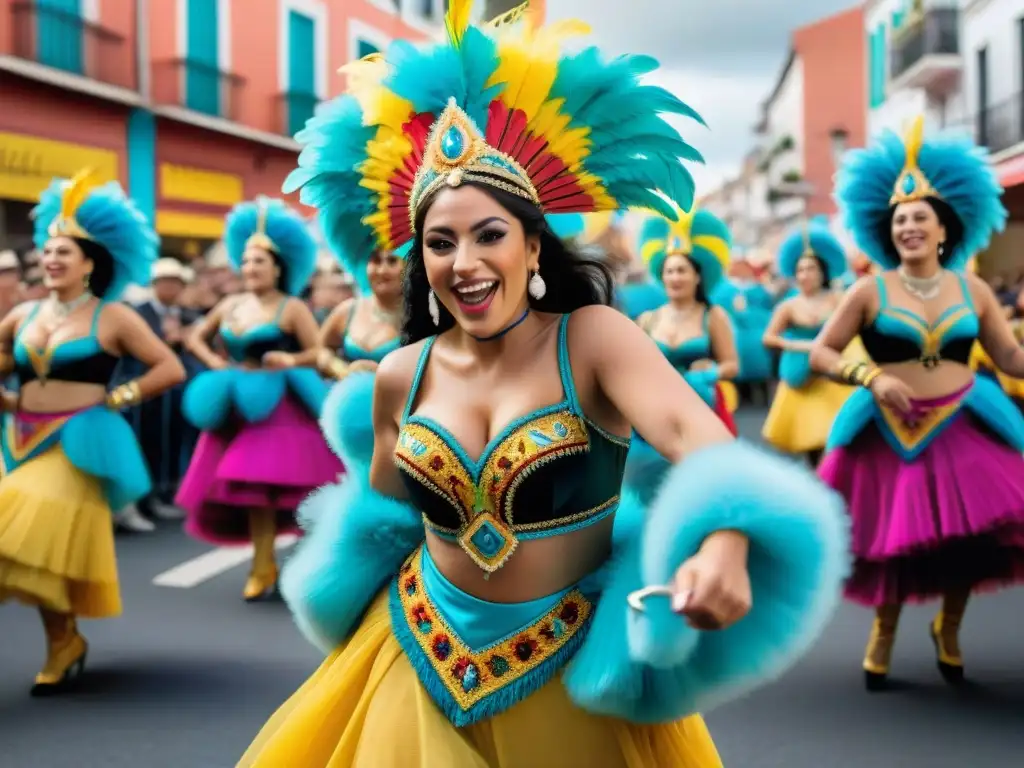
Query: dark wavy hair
{"points": [[826, 278], [699, 294], [102, 265], [573, 280], [282, 275], [947, 217]]}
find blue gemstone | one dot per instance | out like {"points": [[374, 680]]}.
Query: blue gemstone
{"points": [[558, 627], [560, 429], [909, 185], [488, 540], [470, 679], [539, 438], [453, 143]]}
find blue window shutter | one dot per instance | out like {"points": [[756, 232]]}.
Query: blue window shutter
{"points": [[301, 70], [202, 79], [59, 30], [872, 53], [365, 49]]}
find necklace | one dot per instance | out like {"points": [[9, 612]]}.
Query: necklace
{"points": [[61, 310], [924, 288], [678, 315], [505, 330], [391, 317]]}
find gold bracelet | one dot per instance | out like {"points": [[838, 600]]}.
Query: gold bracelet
{"points": [[338, 369], [124, 396], [871, 375]]}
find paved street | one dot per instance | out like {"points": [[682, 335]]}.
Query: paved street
{"points": [[186, 677]]}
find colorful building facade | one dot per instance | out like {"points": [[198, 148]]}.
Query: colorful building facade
{"points": [[190, 104]]}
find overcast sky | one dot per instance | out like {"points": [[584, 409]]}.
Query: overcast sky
{"points": [[722, 59]]}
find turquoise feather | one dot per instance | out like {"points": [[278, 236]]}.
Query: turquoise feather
{"points": [[287, 230], [823, 243]]}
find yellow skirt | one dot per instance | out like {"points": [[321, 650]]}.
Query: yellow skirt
{"points": [[57, 539], [800, 419], [365, 708]]}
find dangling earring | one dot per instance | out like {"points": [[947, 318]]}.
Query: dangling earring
{"points": [[435, 311], [942, 250], [88, 279], [537, 287]]}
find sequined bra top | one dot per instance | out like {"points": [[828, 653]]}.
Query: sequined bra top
{"points": [[254, 342], [686, 353], [352, 351], [81, 360], [897, 335], [547, 473]]}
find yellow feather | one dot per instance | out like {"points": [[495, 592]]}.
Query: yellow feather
{"points": [[75, 192], [456, 20], [913, 141], [716, 245], [650, 249]]}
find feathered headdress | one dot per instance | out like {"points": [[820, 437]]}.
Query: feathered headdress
{"points": [[893, 171], [272, 225], [584, 227], [82, 209], [700, 236], [497, 105], [812, 238]]}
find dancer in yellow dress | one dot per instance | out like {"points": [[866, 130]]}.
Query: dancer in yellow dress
{"points": [[68, 456], [805, 404], [502, 634]]}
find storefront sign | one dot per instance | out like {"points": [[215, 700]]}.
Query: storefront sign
{"points": [[197, 185], [28, 164], [193, 225]]}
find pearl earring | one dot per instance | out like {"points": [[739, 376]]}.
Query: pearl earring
{"points": [[942, 250], [537, 288], [435, 311]]}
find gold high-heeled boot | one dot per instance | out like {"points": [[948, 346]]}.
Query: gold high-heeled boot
{"points": [[262, 580], [945, 633], [880, 644], [65, 655]]}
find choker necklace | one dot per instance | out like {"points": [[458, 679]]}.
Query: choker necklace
{"points": [[392, 317], [924, 288], [62, 309], [501, 333]]}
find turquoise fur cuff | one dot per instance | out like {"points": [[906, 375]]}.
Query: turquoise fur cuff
{"points": [[355, 541], [347, 420], [652, 667]]}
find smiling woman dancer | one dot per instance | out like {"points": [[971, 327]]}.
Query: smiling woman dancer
{"points": [[927, 455], [68, 456], [501, 428], [364, 329], [261, 451], [688, 257], [805, 404]]}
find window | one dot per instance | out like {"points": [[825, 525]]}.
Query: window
{"points": [[364, 49], [59, 27], [877, 69], [202, 69], [982, 95], [302, 98]]}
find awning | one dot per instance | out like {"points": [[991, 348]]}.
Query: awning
{"points": [[28, 164]]}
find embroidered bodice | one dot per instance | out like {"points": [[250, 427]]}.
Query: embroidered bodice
{"points": [[254, 342], [351, 351], [548, 472], [81, 360]]}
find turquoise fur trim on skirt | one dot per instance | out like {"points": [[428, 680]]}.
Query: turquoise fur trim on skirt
{"points": [[98, 441], [355, 541], [985, 400], [651, 667], [346, 420], [212, 397], [476, 658]]}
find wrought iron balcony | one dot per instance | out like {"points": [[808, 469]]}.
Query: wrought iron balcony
{"points": [[199, 86], [1001, 126], [294, 108], [926, 52], [64, 40]]}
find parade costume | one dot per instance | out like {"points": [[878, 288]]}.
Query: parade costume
{"points": [[63, 473], [704, 240], [260, 452], [749, 306], [425, 674], [805, 404], [937, 503]]}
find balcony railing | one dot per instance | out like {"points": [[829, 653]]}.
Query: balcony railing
{"points": [[63, 40], [935, 32], [294, 108], [1001, 126], [198, 86]]}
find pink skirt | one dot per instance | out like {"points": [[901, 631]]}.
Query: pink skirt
{"points": [[951, 519], [273, 463]]}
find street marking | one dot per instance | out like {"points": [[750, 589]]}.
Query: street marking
{"points": [[207, 566]]}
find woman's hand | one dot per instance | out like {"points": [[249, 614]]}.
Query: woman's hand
{"points": [[794, 345], [893, 393], [278, 361], [702, 365], [366, 366], [712, 588]]}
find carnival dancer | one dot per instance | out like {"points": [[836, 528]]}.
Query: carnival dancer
{"points": [[927, 455], [260, 451], [805, 404], [68, 456], [502, 427], [360, 331], [688, 258]]}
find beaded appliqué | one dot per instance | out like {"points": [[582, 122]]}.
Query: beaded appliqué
{"points": [[484, 503], [23, 440], [471, 677], [914, 434]]}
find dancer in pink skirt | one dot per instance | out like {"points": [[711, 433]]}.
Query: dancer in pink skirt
{"points": [[261, 451], [927, 456]]}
